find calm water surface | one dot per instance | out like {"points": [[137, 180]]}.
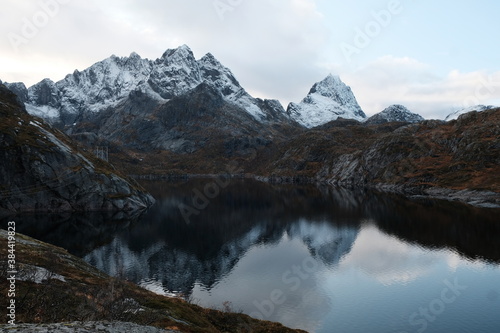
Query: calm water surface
{"points": [[319, 259]]}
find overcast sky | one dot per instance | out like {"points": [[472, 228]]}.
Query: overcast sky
{"points": [[432, 56]]}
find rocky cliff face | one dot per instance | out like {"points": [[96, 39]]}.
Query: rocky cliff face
{"points": [[41, 170]]}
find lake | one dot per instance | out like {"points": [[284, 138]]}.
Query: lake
{"points": [[322, 259]]}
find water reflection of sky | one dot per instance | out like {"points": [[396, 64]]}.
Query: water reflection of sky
{"points": [[324, 260]]}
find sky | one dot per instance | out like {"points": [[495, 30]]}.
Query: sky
{"points": [[434, 57]]}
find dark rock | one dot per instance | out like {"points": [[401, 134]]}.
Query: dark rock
{"points": [[19, 89], [41, 170]]}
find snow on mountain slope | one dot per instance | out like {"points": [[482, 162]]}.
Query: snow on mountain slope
{"points": [[221, 78], [103, 84], [327, 100], [107, 83], [478, 108], [395, 113], [94, 89], [175, 73]]}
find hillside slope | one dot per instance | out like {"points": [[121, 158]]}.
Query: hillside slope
{"points": [[42, 170], [457, 155]]}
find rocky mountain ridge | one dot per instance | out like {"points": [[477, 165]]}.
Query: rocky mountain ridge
{"points": [[109, 82]]}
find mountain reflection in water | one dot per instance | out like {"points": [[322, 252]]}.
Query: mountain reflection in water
{"points": [[332, 253]]}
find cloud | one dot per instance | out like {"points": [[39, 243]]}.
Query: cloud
{"points": [[387, 259], [271, 46], [391, 80], [276, 49]]}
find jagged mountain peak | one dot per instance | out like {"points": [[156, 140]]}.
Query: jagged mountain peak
{"points": [[327, 100], [325, 85], [134, 55], [182, 52], [109, 82], [209, 61], [44, 92], [220, 77], [209, 58], [395, 112]]}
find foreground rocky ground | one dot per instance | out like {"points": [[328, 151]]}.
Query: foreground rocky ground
{"points": [[84, 327]]}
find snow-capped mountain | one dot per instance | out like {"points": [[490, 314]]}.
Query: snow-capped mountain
{"points": [[478, 108], [395, 113], [327, 100], [111, 81]]}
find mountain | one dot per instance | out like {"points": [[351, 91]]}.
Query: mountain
{"points": [[394, 113], [478, 108], [42, 170], [327, 100], [198, 132], [108, 83]]}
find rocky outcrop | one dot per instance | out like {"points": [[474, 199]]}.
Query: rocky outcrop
{"points": [[42, 170], [19, 89]]}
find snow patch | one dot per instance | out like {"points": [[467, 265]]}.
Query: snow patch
{"points": [[478, 108], [109, 82], [37, 274], [44, 111], [52, 138]]}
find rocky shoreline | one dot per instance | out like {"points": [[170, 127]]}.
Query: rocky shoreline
{"points": [[475, 198]]}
